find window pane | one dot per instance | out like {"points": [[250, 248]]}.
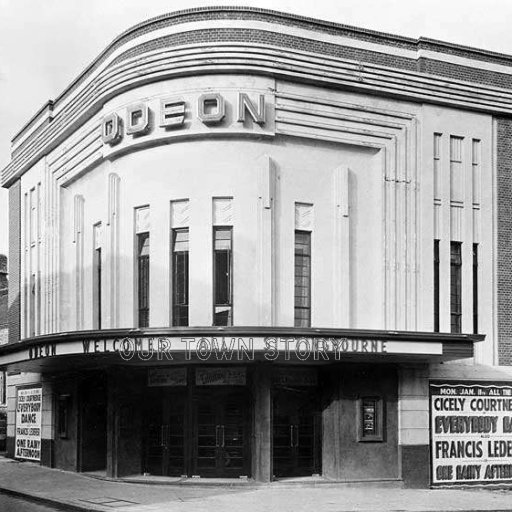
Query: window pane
{"points": [[436, 285], [180, 240], [302, 279], [456, 286], [222, 271], [475, 288], [180, 279], [143, 279], [222, 276]]}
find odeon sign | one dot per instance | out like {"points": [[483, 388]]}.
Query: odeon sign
{"points": [[210, 109]]}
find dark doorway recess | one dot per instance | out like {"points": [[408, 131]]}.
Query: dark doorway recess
{"points": [[296, 432], [221, 444], [93, 424]]}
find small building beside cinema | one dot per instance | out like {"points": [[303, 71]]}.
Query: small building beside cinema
{"points": [[243, 243]]}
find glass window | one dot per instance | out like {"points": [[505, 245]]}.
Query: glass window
{"points": [[180, 276], [143, 279], [96, 277], [302, 279], [436, 285], [456, 286], [475, 288], [222, 276]]}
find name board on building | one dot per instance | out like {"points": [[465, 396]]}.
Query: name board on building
{"points": [[471, 433], [220, 377], [226, 348], [296, 377], [187, 113], [167, 377], [28, 423]]}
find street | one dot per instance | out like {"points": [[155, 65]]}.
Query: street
{"points": [[13, 504]]}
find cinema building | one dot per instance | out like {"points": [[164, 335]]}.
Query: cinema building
{"points": [[242, 243]]}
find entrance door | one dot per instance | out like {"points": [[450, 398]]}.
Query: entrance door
{"points": [[221, 447], [93, 426], [165, 434], [296, 433]]}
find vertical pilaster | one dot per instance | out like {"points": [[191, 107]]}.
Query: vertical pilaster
{"points": [[112, 424], [112, 278], [341, 247], [266, 240], [262, 424], [414, 426], [15, 288], [332, 457], [389, 221]]}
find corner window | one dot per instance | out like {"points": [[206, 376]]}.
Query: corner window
{"points": [[96, 277], [475, 288], [456, 286], [222, 276], [436, 285], [180, 276], [143, 279], [302, 279]]}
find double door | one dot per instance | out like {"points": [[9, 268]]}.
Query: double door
{"points": [[221, 438], [165, 444], [296, 433], [206, 433]]}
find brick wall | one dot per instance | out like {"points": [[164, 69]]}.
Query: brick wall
{"points": [[3, 300], [241, 13], [13, 313], [504, 256]]}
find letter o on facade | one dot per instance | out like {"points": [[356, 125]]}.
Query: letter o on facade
{"points": [[111, 129], [211, 108], [137, 119]]}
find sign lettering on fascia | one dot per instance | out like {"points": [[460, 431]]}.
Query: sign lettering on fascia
{"points": [[210, 109]]}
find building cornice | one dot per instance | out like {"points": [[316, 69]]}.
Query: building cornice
{"points": [[353, 55]]}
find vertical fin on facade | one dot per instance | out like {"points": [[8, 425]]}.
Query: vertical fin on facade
{"points": [[267, 182], [112, 288], [341, 247], [78, 240], [14, 297]]}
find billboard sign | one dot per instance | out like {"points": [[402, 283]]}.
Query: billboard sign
{"points": [[28, 423], [471, 433]]}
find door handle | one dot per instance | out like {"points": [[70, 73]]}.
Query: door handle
{"points": [[161, 436], [222, 438], [291, 436], [217, 442], [164, 430], [296, 436]]}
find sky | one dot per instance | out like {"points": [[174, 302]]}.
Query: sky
{"points": [[45, 44]]}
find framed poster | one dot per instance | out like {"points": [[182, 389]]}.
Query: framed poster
{"points": [[470, 433], [28, 423]]}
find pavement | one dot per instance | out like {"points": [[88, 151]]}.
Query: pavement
{"points": [[78, 492]]}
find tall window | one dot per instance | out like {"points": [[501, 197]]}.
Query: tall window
{"points": [[475, 288], [143, 279], [222, 276], [3, 398], [96, 277], [302, 279], [456, 286], [32, 307], [180, 280], [436, 285], [141, 284]]}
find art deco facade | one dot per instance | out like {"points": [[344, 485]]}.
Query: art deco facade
{"points": [[239, 178]]}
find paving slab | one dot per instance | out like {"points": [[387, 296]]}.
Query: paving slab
{"points": [[74, 491]]}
